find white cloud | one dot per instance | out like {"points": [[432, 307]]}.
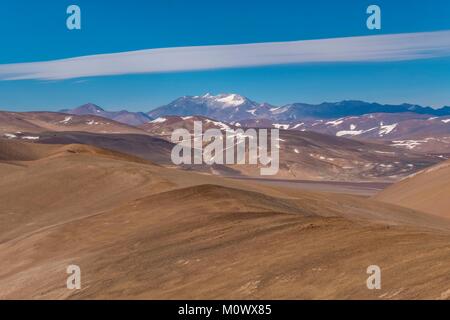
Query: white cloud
{"points": [[393, 47]]}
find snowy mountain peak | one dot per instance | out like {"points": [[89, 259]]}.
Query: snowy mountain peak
{"points": [[220, 101], [230, 100]]}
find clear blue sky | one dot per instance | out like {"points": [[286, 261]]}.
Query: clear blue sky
{"points": [[36, 31]]}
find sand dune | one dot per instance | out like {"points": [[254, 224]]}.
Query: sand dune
{"points": [[427, 191], [138, 230]]}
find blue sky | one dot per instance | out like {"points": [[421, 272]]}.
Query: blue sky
{"points": [[33, 32]]}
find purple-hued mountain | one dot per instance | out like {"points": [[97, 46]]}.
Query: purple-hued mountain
{"points": [[123, 116], [233, 107], [410, 126], [224, 107]]}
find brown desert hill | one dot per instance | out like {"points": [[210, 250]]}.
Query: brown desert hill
{"points": [[22, 151], [14, 124], [319, 156], [311, 155], [427, 191], [164, 126], [11, 150], [140, 231], [144, 146], [303, 155], [140, 145], [61, 175], [408, 130]]}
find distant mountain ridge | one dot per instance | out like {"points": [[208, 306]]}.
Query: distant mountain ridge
{"points": [[123, 116], [223, 107], [233, 107]]}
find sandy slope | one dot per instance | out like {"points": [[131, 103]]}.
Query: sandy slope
{"points": [[139, 230], [428, 191]]}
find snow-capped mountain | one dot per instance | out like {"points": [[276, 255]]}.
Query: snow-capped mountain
{"points": [[234, 107], [123, 116], [409, 130], [224, 107], [410, 126]]}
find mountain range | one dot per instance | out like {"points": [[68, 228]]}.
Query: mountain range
{"points": [[418, 132], [303, 155], [234, 108], [123, 116], [409, 126]]}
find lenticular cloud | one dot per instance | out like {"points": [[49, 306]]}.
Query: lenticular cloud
{"points": [[393, 47]]}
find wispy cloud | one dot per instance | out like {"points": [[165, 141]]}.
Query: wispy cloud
{"points": [[394, 47]]}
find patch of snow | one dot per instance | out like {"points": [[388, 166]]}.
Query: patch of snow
{"points": [[251, 111], [66, 120], [446, 120], [30, 138], [409, 144], [384, 130], [349, 133], [279, 110], [353, 132], [9, 135], [352, 127], [297, 125], [281, 126], [232, 100], [221, 125], [335, 122], [159, 120], [296, 151], [186, 118], [382, 165]]}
